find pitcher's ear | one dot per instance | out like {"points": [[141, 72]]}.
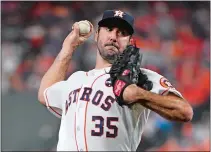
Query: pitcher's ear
{"points": [[132, 41], [96, 35]]}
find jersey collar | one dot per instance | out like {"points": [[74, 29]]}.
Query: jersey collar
{"points": [[98, 71]]}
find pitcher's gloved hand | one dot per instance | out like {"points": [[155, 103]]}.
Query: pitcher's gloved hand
{"points": [[126, 71]]}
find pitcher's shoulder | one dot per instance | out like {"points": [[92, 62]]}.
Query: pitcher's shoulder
{"points": [[150, 73], [157, 78], [78, 75]]}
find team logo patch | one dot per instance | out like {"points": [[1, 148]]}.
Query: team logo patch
{"points": [[108, 82], [165, 83]]}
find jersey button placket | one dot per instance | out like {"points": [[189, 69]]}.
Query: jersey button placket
{"points": [[78, 128], [79, 124]]}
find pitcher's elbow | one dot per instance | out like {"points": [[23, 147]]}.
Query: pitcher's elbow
{"points": [[188, 113], [40, 97]]}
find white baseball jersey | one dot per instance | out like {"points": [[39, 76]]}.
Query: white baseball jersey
{"points": [[91, 119]]}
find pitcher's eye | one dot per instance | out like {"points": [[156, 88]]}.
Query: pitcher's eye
{"points": [[123, 33], [109, 29]]}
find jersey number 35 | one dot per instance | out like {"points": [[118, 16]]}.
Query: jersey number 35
{"points": [[101, 123]]}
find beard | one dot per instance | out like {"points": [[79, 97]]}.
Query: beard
{"points": [[108, 55]]}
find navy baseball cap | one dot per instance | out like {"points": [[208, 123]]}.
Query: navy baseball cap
{"points": [[119, 19]]}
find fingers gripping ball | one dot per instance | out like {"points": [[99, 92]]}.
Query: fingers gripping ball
{"points": [[84, 27]]}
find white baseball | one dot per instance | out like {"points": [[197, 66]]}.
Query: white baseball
{"points": [[84, 27]]}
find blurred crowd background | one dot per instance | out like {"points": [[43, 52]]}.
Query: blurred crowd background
{"points": [[174, 38]]}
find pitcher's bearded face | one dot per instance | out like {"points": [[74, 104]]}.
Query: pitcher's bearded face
{"points": [[111, 41]]}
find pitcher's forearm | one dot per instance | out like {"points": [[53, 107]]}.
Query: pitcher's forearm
{"points": [[57, 71], [168, 102], [168, 113], [170, 106]]}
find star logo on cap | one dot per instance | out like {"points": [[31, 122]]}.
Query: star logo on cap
{"points": [[119, 13]]}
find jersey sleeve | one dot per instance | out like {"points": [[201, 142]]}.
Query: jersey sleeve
{"points": [[55, 94], [54, 98], [161, 85]]}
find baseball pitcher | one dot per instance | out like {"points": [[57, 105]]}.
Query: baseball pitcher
{"points": [[107, 108]]}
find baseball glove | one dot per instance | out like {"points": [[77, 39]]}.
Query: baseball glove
{"points": [[126, 70]]}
